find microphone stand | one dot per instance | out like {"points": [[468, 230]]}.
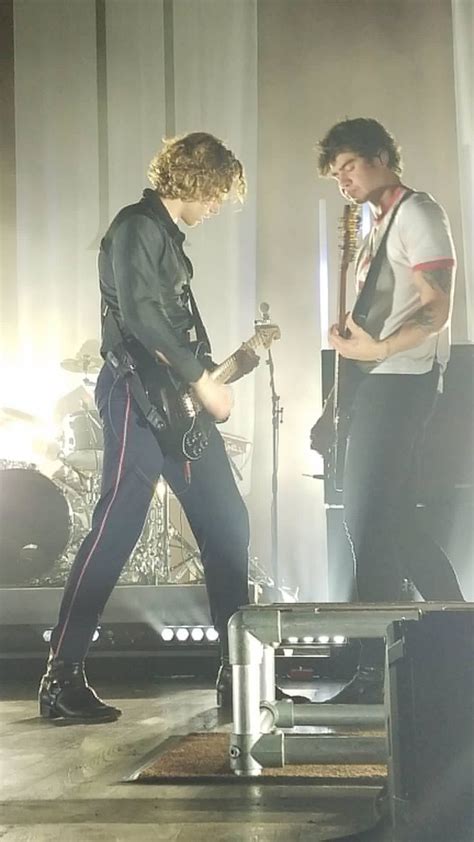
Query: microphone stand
{"points": [[277, 419]]}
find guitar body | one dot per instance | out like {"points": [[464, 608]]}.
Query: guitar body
{"points": [[188, 426]]}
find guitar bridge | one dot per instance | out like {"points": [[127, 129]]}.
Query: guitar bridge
{"points": [[188, 405]]}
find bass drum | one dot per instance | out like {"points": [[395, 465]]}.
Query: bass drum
{"points": [[35, 523]]}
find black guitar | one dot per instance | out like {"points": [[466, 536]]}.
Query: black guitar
{"points": [[188, 425]]}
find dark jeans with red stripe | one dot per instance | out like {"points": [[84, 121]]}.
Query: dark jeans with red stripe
{"points": [[388, 421], [133, 462]]}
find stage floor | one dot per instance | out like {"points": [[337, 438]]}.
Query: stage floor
{"points": [[63, 784]]}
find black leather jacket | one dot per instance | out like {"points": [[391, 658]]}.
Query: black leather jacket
{"points": [[144, 279]]}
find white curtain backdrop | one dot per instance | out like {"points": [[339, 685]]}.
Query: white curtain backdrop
{"points": [[463, 39], [91, 105], [99, 83]]}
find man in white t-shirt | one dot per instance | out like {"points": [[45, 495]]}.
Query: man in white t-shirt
{"points": [[399, 357]]}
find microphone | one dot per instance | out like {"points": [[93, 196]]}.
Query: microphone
{"points": [[265, 310]]}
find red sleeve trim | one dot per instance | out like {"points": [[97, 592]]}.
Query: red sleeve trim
{"points": [[441, 263]]}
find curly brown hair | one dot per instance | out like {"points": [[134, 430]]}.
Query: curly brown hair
{"points": [[197, 167], [365, 137]]}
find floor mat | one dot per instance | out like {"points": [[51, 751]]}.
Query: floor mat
{"points": [[204, 757]]}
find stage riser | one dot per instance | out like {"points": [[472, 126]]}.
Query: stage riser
{"points": [[158, 606]]}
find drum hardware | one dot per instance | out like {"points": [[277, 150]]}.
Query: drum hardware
{"points": [[264, 588], [82, 364], [82, 441], [44, 519], [149, 562], [189, 565]]}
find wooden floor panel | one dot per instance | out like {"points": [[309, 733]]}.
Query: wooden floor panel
{"points": [[64, 784]]}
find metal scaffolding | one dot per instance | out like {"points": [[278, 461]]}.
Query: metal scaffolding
{"points": [[255, 632]]}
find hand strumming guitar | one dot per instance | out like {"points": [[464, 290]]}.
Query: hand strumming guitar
{"points": [[357, 344], [216, 398]]}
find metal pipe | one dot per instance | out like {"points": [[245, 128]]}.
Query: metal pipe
{"points": [[279, 749], [274, 623], [246, 656], [267, 674], [286, 714]]}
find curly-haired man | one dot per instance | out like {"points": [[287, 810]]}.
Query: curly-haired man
{"points": [[148, 318], [397, 354]]}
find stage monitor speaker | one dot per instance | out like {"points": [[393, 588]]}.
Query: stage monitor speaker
{"points": [[430, 727]]}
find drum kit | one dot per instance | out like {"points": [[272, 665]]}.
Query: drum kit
{"points": [[47, 499]]}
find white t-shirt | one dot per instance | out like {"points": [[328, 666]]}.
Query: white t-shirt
{"points": [[420, 238]]}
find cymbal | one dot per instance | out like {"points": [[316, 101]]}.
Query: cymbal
{"points": [[84, 364], [9, 413]]}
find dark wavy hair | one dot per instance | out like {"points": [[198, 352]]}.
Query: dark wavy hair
{"points": [[197, 167], [364, 136]]}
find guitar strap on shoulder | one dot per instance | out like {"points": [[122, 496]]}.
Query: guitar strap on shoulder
{"points": [[201, 332], [364, 300]]}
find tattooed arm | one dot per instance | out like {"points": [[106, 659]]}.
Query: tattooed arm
{"points": [[435, 287]]}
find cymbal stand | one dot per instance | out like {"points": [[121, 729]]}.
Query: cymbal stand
{"points": [[159, 522]]}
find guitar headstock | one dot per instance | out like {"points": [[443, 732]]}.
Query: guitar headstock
{"points": [[349, 227], [267, 333]]}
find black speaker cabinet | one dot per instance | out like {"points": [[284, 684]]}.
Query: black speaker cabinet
{"points": [[430, 727]]}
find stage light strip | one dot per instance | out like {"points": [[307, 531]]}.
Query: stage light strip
{"points": [[196, 634]]}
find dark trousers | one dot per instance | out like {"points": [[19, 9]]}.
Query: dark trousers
{"points": [[133, 462], [388, 420]]}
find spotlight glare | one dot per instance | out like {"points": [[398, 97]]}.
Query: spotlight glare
{"points": [[339, 638], [323, 638], [197, 634], [167, 635], [292, 640], [95, 636], [47, 635], [308, 639], [182, 634], [212, 635]]}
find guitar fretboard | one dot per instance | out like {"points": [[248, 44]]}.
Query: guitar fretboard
{"points": [[230, 366]]}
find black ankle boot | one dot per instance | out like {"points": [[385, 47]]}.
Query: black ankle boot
{"points": [[365, 688], [65, 694], [224, 689]]}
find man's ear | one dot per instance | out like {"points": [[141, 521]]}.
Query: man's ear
{"points": [[383, 157]]}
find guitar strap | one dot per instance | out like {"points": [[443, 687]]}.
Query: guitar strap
{"points": [[121, 362], [351, 374], [201, 332], [364, 299]]}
